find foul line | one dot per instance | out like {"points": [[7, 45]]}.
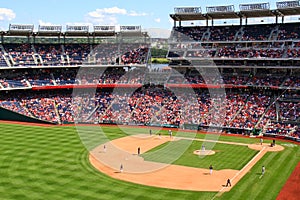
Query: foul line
{"points": [[252, 160]]}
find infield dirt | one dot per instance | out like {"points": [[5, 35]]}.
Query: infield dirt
{"points": [[137, 170]]}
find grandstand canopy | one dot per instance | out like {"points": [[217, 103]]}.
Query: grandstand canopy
{"points": [[49, 30], [104, 30], [221, 12], [130, 31], [253, 10], [288, 7], [187, 14], [77, 30], [188, 17], [20, 29], [130, 28], [182, 10], [256, 10]]}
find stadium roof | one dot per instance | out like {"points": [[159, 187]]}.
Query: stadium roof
{"points": [[222, 12], [20, 29], [188, 17], [104, 31], [223, 15], [188, 13], [257, 10], [288, 7], [49, 30], [285, 8], [74, 31]]}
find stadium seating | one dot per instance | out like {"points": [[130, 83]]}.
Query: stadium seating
{"points": [[253, 63]]}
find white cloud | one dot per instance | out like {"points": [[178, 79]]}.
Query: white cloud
{"points": [[78, 24], [109, 16], [157, 20], [7, 14], [42, 23], [113, 10], [105, 16], [135, 14], [102, 19]]}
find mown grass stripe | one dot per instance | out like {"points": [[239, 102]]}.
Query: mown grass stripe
{"points": [[52, 163]]}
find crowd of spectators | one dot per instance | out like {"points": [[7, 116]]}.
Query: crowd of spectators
{"points": [[235, 52], [223, 33], [289, 111], [262, 32], [289, 31], [293, 53], [188, 33], [283, 129], [257, 32], [242, 110], [27, 78], [105, 54], [292, 81], [2, 60], [231, 52], [51, 54], [26, 54], [134, 55], [20, 54], [267, 41]]}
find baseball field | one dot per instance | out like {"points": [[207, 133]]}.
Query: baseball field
{"points": [[52, 162]]}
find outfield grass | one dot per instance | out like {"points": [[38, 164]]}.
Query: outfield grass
{"points": [[52, 163]]}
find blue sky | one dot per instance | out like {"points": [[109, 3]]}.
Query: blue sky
{"points": [[147, 14]]}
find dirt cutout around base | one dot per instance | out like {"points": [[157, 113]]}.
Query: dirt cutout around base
{"points": [[265, 146], [109, 157]]}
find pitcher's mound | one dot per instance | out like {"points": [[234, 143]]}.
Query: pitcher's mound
{"points": [[204, 152]]}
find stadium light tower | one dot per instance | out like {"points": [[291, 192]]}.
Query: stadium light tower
{"points": [[186, 10], [256, 10], [49, 30], [187, 14], [287, 4], [288, 8], [21, 29], [77, 30], [221, 12]]}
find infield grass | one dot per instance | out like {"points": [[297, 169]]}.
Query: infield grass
{"points": [[226, 156], [52, 163]]}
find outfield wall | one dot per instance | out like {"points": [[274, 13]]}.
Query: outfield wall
{"points": [[9, 115]]}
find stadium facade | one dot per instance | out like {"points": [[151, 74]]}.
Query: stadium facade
{"points": [[255, 66]]}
